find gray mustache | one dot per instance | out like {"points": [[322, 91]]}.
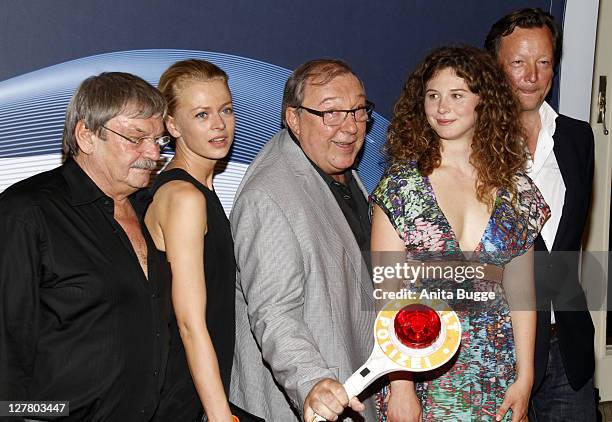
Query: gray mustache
{"points": [[145, 164]]}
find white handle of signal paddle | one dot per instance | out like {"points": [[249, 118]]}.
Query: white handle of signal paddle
{"points": [[387, 357], [356, 383]]}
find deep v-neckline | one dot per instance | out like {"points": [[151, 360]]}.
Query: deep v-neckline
{"points": [[450, 227]]}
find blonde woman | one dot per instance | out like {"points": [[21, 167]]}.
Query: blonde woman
{"points": [[187, 223]]}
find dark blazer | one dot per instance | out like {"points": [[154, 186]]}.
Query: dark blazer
{"points": [[556, 274]]}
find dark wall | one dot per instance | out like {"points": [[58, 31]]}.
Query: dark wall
{"points": [[383, 40]]}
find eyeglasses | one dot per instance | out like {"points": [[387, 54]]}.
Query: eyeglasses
{"points": [[337, 117], [161, 142]]}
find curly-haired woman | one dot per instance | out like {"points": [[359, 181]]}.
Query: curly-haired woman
{"points": [[455, 192]]}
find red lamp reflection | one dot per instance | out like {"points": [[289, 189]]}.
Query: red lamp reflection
{"points": [[417, 326]]}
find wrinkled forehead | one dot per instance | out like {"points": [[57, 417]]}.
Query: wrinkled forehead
{"points": [[321, 87], [140, 120], [536, 37], [135, 110]]}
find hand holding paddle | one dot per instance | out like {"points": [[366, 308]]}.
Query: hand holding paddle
{"points": [[409, 335]]}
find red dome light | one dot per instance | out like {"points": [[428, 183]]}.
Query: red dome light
{"points": [[417, 326]]}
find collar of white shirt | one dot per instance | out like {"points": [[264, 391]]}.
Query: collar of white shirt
{"points": [[544, 171], [546, 143]]}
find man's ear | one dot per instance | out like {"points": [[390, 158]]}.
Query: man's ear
{"points": [[172, 128], [84, 138], [293, 120]]}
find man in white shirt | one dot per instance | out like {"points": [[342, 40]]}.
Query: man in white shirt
{"points": [[527, 45]]}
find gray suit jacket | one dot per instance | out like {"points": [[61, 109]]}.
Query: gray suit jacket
{"points": [[304, 305]]}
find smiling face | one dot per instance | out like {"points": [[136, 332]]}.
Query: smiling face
{"points": [[332, 148], [203, 122], [527, 58], [450, 106]]}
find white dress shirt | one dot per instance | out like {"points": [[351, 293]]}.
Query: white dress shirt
{"points": [[543, 169]]}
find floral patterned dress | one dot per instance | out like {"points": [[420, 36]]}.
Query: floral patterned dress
{"points": [[472, 385]]}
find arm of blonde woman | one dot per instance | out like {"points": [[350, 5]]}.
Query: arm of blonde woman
{"points": [[520, 291], [388, 250], [184, 225]]}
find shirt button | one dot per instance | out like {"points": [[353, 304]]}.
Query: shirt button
{"points": [[155, 373], [153, 295], [157, 334]]}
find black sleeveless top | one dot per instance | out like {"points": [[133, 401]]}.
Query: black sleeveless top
{"points": [[180, 401]]}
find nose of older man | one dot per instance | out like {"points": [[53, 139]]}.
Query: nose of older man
{"points": [[151, 151], [531, 73], [349, 125]]}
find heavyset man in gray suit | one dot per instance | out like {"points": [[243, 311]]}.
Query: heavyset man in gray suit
{"points": [[304, 304]]}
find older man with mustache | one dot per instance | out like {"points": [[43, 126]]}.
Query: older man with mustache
{"points": [[83, 310]]}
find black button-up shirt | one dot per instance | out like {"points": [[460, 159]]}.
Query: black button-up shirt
{"points": [[353, 204], [79, 321], [351, 201]]}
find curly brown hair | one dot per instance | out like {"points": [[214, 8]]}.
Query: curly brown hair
{"points": [[498, 146]]}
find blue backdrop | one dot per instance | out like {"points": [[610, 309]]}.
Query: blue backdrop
{"points": [[48, 47]]}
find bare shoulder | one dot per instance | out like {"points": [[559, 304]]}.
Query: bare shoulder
{"points": [[179, 194], [179, 203]]}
